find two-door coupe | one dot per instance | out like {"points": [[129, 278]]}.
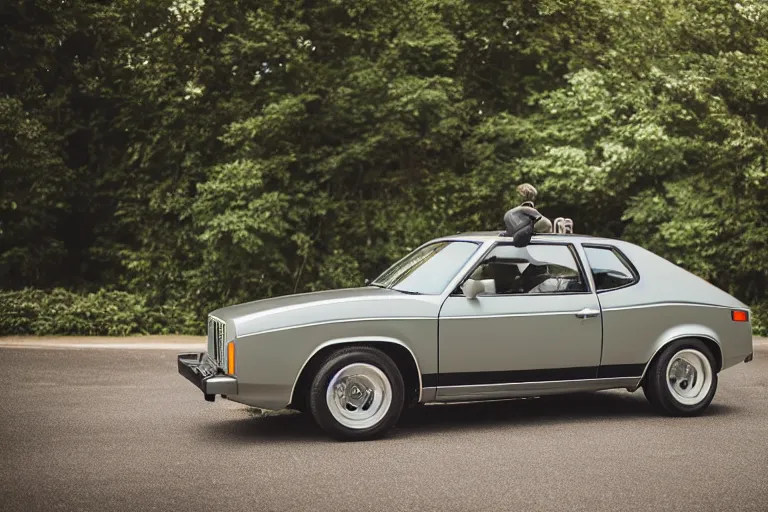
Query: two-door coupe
{"points": [[472, 317]]}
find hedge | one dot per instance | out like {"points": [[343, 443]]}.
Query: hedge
{"points": [[104, 313], [116, 313], [760, 319]]}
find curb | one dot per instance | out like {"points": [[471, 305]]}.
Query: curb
{"points": [[182, 347], [180, 343]]}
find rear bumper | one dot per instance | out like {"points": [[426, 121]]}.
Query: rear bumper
{"points": [[200, 370]]}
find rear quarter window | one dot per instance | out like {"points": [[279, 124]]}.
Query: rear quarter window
{"points": [[609, 268]]}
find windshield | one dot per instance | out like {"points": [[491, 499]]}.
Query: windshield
{"points": [[427, 270]]}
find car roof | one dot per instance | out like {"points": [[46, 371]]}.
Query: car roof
{"points": [[485, 236]]}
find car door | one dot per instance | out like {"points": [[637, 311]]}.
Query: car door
{"points": [[537, 326]]}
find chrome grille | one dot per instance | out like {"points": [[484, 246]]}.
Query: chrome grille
{"points": [[217, 335]]}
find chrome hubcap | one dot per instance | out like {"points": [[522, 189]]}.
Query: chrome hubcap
{"points": [[359, 395], [689, 376]]}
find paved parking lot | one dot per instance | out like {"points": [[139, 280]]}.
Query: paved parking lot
{"points": [[119, 429]]}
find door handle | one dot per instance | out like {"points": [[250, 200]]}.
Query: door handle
{"points": [[588, 313]]}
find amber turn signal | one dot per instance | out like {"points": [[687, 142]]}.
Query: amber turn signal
{"points": [[231, 358], [738, 315]]}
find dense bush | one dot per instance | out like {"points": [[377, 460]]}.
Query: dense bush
{"points": [[114, 313], [107, 313], [760, 318]]}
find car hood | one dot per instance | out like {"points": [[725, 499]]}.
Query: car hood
{"points": [[326, 306]]}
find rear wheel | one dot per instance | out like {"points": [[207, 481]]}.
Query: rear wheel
{"points": [[682, 380], [357, 394]]}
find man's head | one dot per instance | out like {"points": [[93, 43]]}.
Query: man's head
{"points": [[527, 194]]}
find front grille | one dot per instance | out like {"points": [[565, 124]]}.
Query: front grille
{"points": [[217, 335]]}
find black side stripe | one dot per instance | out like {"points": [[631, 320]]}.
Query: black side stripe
{"points": [[609, 371], [429, 380], [541, 375]]}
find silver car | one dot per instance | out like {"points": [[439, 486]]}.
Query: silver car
{"points": [[472, 317]]}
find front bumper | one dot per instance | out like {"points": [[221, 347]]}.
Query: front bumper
{"points": [[199, 369]]}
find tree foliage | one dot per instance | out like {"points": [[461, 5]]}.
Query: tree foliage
{"points": [[197, 153]]}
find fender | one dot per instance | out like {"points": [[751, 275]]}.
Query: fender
{"points": [[678, 332], [357, 339]]}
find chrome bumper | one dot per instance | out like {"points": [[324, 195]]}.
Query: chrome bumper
{"points": [[199, 369]]}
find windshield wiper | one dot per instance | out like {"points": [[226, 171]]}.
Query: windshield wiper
{"points": [[377, 285], [407, 292]]}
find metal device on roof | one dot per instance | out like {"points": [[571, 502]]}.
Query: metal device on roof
{"points": [[562, 225]]}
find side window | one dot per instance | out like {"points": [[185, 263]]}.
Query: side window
{"points": [[534, 269], [608, 269]]}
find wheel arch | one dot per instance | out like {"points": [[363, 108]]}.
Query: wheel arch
{"points": [[708, 339], [399, 352]]}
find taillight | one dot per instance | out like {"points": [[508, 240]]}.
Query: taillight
{"points": [[231, 358], [739, 315]]}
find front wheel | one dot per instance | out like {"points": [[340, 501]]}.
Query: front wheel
{"points": [[682, 380], [357, 394]]}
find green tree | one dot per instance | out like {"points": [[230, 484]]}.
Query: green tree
{"points": [[194, 153]]}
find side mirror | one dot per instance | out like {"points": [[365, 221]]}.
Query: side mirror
{"points": [[473, 287]]}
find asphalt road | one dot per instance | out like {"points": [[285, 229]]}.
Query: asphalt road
{"points": [[107, 429]]}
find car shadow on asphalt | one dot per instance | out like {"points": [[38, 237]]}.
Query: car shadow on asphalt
{"points": [[271, 426], [442, 418], [560, 409]]}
